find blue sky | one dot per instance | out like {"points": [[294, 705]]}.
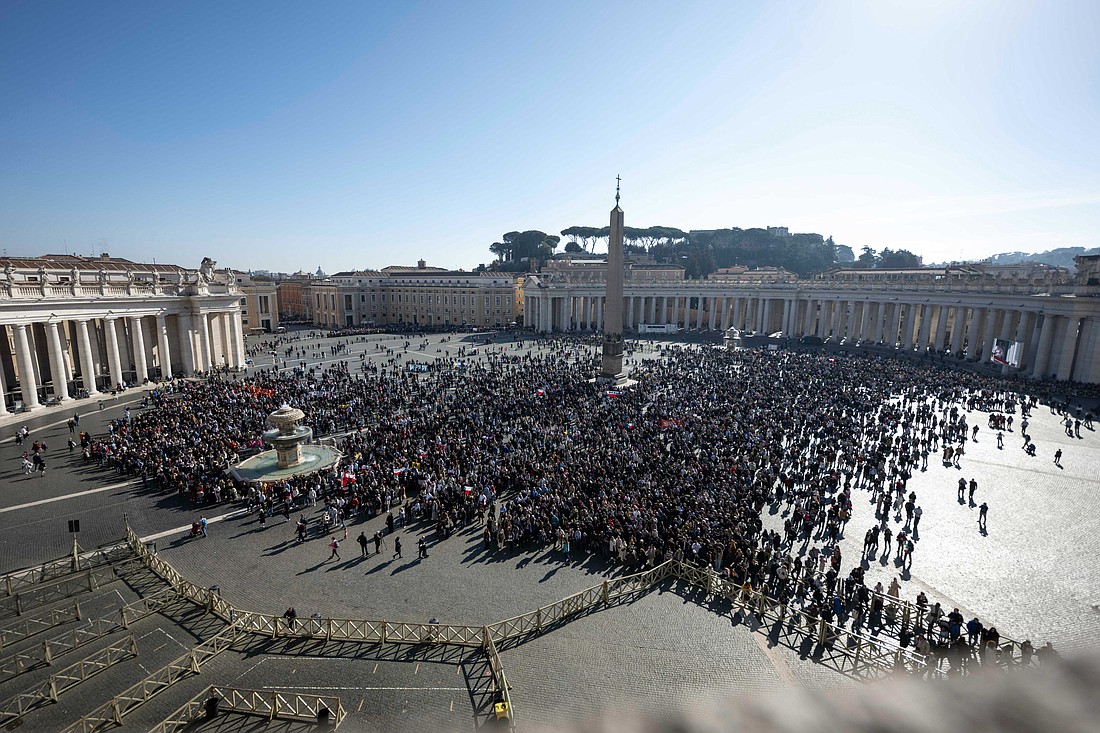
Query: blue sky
{"points": [[361, 134]]}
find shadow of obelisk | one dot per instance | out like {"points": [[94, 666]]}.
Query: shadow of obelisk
{"points": [[612, 366]]}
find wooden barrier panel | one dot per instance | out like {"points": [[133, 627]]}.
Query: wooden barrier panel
{"points": [[65, 679]]}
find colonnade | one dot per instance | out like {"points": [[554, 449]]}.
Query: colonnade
{"points": [[1058, 337], [52, 357]]}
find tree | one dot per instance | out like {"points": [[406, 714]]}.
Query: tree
{"points": [[573, 247], [867, 257], [896, 259], [844, 253]]}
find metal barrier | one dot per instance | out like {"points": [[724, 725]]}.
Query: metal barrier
{"points": [[503, 707], [72, 584], [30, 625], [14, 582], [75, 638], [65, 679], [112, 712], [270, 704]]}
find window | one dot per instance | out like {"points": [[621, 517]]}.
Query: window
{"points": [[347, 303], [265, 306], [498, 303]]}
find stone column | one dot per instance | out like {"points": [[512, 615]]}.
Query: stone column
{"points": [[163, 354], [138, 339], [990, 332], [1024, 328], [238, 337], [1092, 376], [87, 364], [114, 359], [187, 341], [27, 384], [1042, 353], [958, 329], [1068, 346], [924, 328], [907, 329], [57, 363], [941, 327], [3, 382], [973, 333]]}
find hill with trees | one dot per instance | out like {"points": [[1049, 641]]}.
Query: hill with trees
{"points": [[700, 252]]}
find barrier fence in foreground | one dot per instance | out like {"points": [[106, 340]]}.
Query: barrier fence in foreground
{"points": [[270, 704], [858, 655]]}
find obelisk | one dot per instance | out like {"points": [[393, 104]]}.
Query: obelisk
{"points": [[612, 367]]}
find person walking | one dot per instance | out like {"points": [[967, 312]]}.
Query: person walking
{"points": [[379, 538], [983, 511], [422, 548], [334, 545], [396, 548], [202, 525], [362, 540], [1058, 458]]}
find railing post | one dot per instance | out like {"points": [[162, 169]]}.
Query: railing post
{"points": [[328, 629], [822, 632], [538, 619], [91, 581], [18, 605], [7, 584], [116, 711], [760, 605], [76, 610], [47, 657], [905, 615], [53, 688], [133, 645], [384, 634], [195, 668], [604, 593], [859, 650], [485, 639], [274, 704]]}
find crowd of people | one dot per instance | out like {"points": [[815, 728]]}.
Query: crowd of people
{"points": [[684, 464]]}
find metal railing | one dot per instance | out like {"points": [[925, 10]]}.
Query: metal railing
{"points": [[28, 626], [19, 580], [112, 712], [270, 704], [65, 679], [73, 639], [65, 587]]}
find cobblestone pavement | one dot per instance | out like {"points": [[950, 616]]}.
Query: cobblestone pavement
{"points": [[1034, 575]]}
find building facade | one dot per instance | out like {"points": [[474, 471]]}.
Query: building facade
{"points": [[1054, 316], [417, 296], [75, 324], [259, 302]]}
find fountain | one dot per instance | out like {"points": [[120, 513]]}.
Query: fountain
{"points": [[287, 435], [292, 452]]}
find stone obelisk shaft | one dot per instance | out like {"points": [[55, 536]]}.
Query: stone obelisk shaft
{"points": [[612, 367]]}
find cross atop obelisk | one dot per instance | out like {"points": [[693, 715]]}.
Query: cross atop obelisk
{"points": [[612, 364]]}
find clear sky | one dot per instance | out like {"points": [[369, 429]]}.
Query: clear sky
{"points": [[360, 134]]}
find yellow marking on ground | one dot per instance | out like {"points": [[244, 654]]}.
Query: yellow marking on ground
{"points": [[375, 668], [360, 708], [417, 670]]}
